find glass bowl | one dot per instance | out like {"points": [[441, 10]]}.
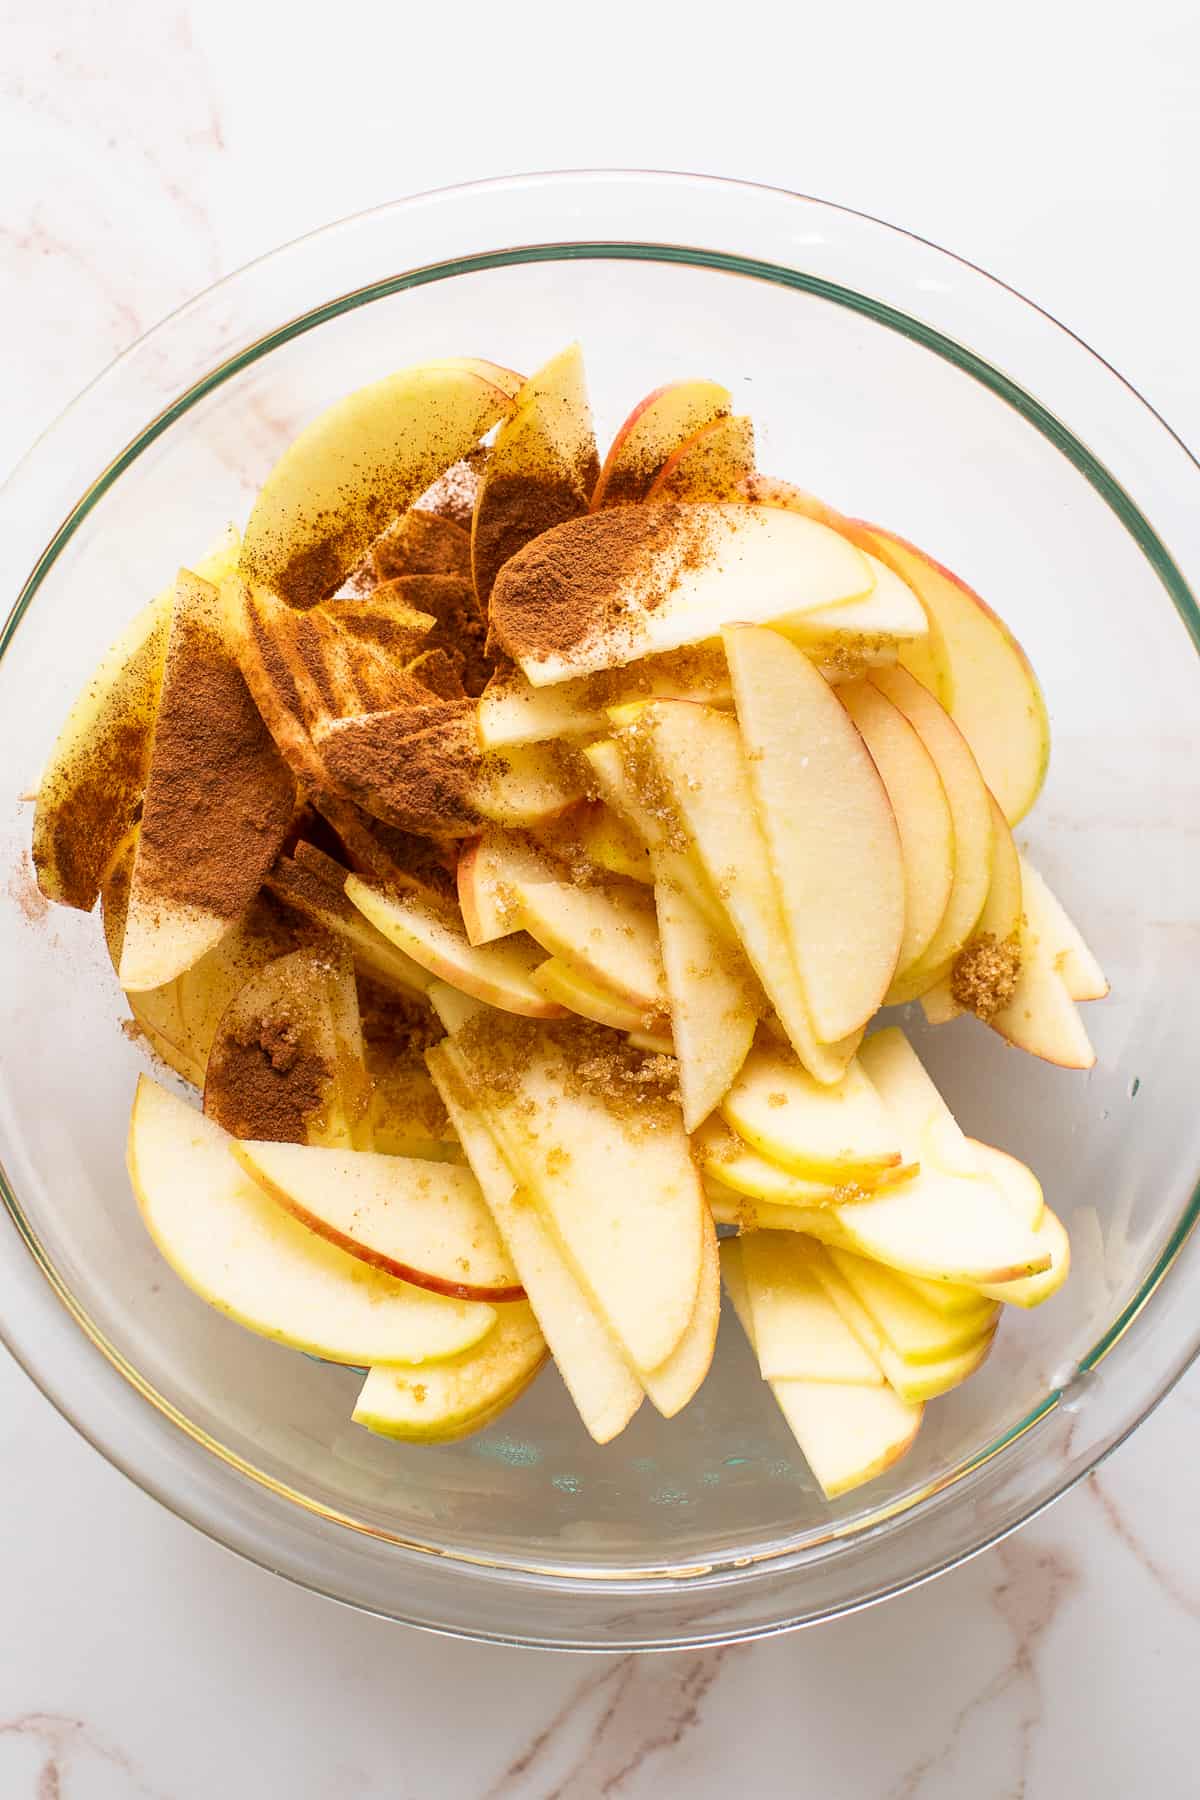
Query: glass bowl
{"points": [[903, 385]]}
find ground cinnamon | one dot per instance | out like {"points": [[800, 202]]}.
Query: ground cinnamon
{"points": [[422, 543], [514, 509], [453, 494], [412, 767], [460, 629], [266, 1081]]}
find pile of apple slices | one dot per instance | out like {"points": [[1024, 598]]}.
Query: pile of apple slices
{"points": [[597, 826]]}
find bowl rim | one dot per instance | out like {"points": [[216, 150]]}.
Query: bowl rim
{"points": [[1094, 471]]}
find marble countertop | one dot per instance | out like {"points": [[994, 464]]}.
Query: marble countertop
{"points": [[149, 149]]}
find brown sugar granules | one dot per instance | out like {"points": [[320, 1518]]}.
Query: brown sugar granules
{"points": [[219, 798], [635, 743], [587, 1059], [984, 977], [594, 576]]}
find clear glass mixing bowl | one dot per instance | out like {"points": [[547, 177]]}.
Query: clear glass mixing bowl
{"points": [[903, 385]]}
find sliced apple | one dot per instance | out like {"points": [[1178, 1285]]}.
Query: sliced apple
{"points": [[499, 974], [1042, 1017], [798, 1332], [916, 1331], [609, 841], [437, 1405], [596, 1372], [1033, 1290], [847, 1434], [96, 772], [863, 631], [916, 1107], [247, 1257], [563, 984], [830, 829], [1082, 975], [714, 463], [422, 542], [836, 1133], [513, 711], [541, 469], [951, 1299], [591, 1129], [654, 430], [676, 1381], [526, 785], [669, 577], [407, 1117], [713, 1011], [360, 464], [185, 893], [424, 1222], [922, 811], [692, 759], [313, 885], [985, 969], [723, 1154], [971, 811]]}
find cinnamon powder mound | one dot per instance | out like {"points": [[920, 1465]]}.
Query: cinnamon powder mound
{"points": [[411, 767], [460, 629], [592, 577], [514, 509], [422, 543], [268, 1082]]}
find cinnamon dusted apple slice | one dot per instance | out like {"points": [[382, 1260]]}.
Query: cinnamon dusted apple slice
{"points": [[424, 1222], [400, 862], [242, 1252], [96, 772], [713, 464], [541, 470], [422, 542], [314, 886], [602, 592], [653, 431], [406, 1113], [527, 786], [500, 974], [512, 711], [830, 830], [459, 629], [219, 801], [360, 464], [448, 1401]]}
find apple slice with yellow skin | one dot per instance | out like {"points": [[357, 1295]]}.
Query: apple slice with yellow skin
{"points": [[596, 1372], [696, 756], [360, 464], [722, 1153], [672, 574], [559, 982], [653, 431], [250, 1260], [847, 1434], [1042, 1017], [512, 711], [159, 1011], [916, 1331], [713, 1012], [184, 897], [605, 1156], [713, 464], [96, 772], [922, 811], [991, 953], [912, 1381], [798, 1332], [950, 1299], [499, 974], [974, 837], [839, 1133], [423, 1222], [541, 469], [996, 702], [869, 628], [830, 830], [406, 1115], [440, 1404]]}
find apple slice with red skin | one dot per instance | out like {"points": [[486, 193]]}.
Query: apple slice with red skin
{"points": [[653, 431], [713, 464]]}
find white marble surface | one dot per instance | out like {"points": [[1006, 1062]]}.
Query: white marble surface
{"points": [[149, 148]]}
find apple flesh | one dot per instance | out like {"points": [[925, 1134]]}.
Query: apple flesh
{"points": [[835, 1134], [658, 425], [675, 1381], [798, 1333], [440, 1404], [423, 1222], [313, 885], [997, 933], [726, 1156], [512, 711], [1042, 1016], [247, 1257], [561, 983], [360, 464], [915, 1331], [830, 830], [713, 1011], [713, 464]]}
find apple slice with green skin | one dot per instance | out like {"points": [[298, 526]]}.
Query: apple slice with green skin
{"points": [[559, 982], [541, 469], [974, 838], [992, 951], [798, 1332], [453, 1399], [951, 1300], [997, 703], [499, 974], [360, 464], [512, 711], [916, 1331], [830, 830], [691, 759], [316, 890], [185, 896], [847, 1434], [596, 1372], [722, 1153], [589, 1129], [922, 811], [670, 577], [1034, 1290], [1042, 1017], [914, 1382], [244, 1254], [96, 772], [835, 1134], [654, 430], [713, 464], [713, 1012], [423, 1222]]}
